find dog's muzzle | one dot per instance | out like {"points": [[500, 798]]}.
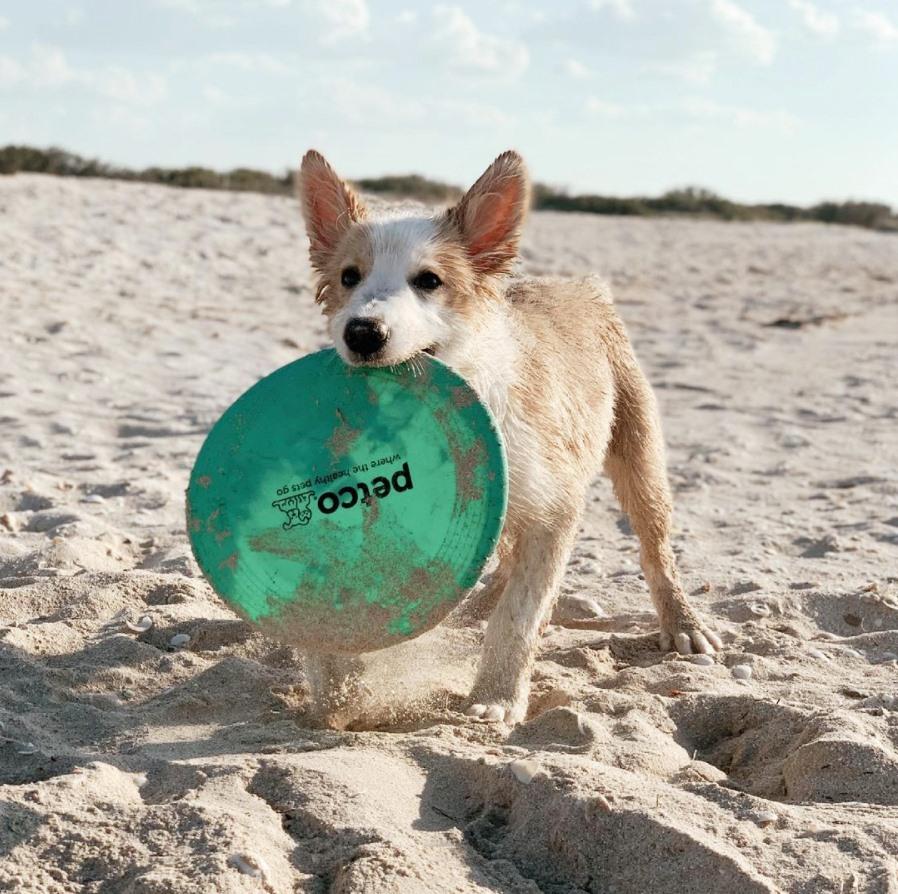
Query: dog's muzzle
{"points": [[365, 336]]}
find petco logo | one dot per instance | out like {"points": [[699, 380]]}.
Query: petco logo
{"points": [[298, 507]]}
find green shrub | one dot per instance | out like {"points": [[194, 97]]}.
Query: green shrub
{"points": [[872, 215], [410, 186]]}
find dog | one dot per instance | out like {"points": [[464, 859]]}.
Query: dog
{"points": [[552, 361]]}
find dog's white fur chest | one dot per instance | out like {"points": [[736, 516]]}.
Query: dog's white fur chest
{"points": [[489, 359]]}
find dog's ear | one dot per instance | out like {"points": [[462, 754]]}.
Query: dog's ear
{"points": [[329, 206], [490, 215]]}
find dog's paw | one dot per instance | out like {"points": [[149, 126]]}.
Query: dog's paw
{"points": [[496, 712], [690, 636]]}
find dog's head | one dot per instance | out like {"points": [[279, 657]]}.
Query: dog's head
{"points": [[396, 286]]}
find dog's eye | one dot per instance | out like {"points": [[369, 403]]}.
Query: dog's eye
{"points": [[427, 281], [350, 277]]}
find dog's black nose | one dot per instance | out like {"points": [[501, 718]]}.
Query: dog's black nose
{"points": [[365, 336]]}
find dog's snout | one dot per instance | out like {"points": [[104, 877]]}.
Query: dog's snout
{"points": [[365, 335]]}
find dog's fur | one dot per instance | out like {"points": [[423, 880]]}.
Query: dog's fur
{"points": [[552, 361]]}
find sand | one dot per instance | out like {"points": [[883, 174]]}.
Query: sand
{"points": [[132, 315]]}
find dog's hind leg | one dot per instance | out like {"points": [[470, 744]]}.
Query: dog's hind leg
{"points": [[635, 463], [538, 561]]}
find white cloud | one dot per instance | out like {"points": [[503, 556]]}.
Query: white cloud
{"points": [[364, 103], [254, 62], [821, 22], [204, 11], [216, 98], [623, 9], [756, 39], [696, 110], [707, 110], [48, 68], [577, 70], [475, 114], [604, 109], [472, 50], [407, 17], [878, 26], [214, 95], [372, 105], [343, 18], [124, 118], [126, 87], [698, 68], [11, 72], [518, 10]]}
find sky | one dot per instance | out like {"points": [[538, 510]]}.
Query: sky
{"points": [[759, 100]]}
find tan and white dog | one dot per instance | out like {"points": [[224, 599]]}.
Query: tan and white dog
{"points": [[549, 357]]}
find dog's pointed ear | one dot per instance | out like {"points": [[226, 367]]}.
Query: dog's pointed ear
{"points": [[491, 213], [329, 206]]}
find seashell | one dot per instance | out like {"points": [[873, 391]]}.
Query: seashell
{"points": [[759, 609], [766, 818], [144, 623], [583, 607], [247, 865], [179, 640], [524, 770], [703, 660], [816, 653], [26, 748], [93, 498], [603, 803], [741, 671], [792, 440]]}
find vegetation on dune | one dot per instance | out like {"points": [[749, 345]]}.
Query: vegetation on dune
{"points": [[692, 201], [14, 159], [410, 186], [704, 203]]}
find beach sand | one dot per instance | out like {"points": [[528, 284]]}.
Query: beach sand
{"points": [[133, 314]]}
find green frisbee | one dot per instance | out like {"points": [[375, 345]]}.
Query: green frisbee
{"points": [[345, 509]]}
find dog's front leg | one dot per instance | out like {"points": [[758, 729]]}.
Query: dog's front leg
{"points": [[335, 689], [502, 687]]}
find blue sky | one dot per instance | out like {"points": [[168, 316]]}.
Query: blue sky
{"points": [[793, 100]]}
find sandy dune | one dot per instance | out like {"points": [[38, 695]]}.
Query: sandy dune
{"points": [[133, 314]]}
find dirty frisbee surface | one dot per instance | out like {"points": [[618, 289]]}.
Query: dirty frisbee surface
{"points": [[345, 509]]}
